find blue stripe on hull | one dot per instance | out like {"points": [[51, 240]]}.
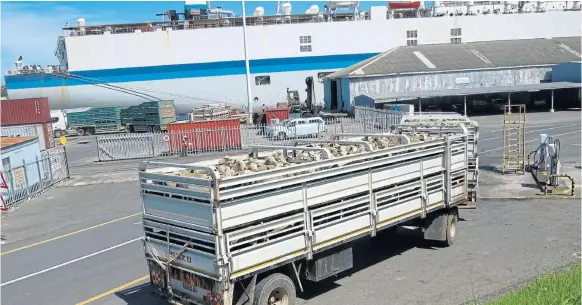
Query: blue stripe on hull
{"points": [[152, 73]]}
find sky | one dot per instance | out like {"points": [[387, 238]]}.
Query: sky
{"points": [[30, 28]]}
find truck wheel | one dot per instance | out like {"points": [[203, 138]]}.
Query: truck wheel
{"points": [[89, 132], [150, 128], [80, 132], [281, 136], [276, 289], [58, 133], [452, 219]]}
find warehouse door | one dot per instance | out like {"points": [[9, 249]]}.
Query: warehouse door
{"points": [[334, 95]]}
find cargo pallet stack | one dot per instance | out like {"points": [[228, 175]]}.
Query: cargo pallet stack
{"points": [[27, 117]]}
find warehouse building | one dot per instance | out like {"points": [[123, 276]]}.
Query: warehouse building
{"points": [[518, 71]]}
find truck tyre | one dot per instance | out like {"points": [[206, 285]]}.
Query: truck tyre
{"points": [[89, 132], [275, 289], [157, 128], [451, 230], [150, 128], [281, 136], [80, 132], [58, 133]]}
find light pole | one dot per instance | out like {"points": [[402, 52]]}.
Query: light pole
{"points": [[248, 71]]}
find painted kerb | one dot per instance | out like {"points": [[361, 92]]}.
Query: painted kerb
{"points": [[52, 168], [151, 145]]}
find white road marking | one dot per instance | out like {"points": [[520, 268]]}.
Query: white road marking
{"points": [[69, 262], [530, 131], [136, 223], [576, 144]]}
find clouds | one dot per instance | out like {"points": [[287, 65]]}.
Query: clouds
{"points": [[31, 29]]}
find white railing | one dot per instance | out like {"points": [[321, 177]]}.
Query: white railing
{"points": [[150, 145]]}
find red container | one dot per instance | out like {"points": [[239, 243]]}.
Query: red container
{"points": [[277, 113], [25, 111], [215, 135]]}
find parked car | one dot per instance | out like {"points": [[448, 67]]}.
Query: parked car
{"points": [[296, 128]]}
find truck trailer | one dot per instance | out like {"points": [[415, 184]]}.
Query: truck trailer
{"points": [[249, 230], [149, 116]]}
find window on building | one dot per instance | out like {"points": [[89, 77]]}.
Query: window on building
{"points": [[304, 39], [456, 40], [262, 80], [321, 75], [412, 42], [412, 34], [6, 164], [305, 48], [456, 32]]}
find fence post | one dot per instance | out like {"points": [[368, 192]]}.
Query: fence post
{"points": [[153, 145], [66, 162], [50, 168], [25, 178], [97, 144], [39, 174]]}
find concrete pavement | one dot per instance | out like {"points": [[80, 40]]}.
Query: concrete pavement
{"points": [[500, 243]]}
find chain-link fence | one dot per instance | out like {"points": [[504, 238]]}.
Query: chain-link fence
{"points": [[149, 145], [25, 180]]}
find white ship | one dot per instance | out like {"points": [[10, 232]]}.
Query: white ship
{"points": [[200, 58]]}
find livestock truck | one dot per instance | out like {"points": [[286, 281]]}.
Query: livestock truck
{"points": [[217, 236], [147, 116]]}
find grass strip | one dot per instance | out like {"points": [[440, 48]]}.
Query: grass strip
{"points": [[558, 288]]}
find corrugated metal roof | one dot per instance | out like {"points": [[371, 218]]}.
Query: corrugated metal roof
{"points": [[473, 91], [9, 141], [467, 56]]}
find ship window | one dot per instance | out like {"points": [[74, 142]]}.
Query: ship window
{"points": [[304, 39], [412, 42], [262, 80], [412, 34], [305, 48], [323, 74], [456, 32], [456, 40]]}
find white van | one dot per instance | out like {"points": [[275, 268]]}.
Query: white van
{"points": [[297, 128]]}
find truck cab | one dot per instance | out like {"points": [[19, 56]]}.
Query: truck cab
{"points": [[59, 121]]}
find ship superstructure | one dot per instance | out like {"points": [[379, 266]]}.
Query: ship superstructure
{"points": [[197, 57]]}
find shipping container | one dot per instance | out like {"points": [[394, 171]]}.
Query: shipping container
{"points": [[206, 135], [265, 116], [44, 132], [24, 111]]}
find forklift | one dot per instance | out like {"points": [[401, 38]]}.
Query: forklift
{"points": [[307, 109]]}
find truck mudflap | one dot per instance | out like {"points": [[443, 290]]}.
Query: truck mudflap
{"points": [[186, 287]]}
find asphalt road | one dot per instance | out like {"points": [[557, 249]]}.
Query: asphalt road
{"points": [[76, 245]]}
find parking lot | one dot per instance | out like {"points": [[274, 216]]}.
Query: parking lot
{"points": [[79, 243]]}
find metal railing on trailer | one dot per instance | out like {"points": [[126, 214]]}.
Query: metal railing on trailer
{"points": [[223, 230]]}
